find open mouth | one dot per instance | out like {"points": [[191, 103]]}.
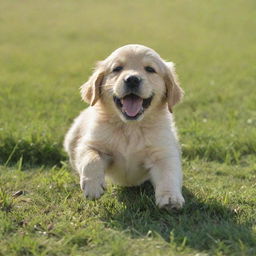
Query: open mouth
{"points": [[132, 106]]}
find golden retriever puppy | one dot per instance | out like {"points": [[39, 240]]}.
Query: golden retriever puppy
{"points": [[128, 133]]}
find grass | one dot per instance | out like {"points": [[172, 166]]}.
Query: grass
{"points": [[47, 50]]}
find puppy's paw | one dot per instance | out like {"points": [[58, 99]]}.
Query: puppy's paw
{"points": [[92, 188], [169, 200]]}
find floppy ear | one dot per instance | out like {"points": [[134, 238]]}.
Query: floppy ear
{"points": [[174, 92], [90, 91]]}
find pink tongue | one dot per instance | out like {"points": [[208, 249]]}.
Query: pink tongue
{"points": [[131, 105]]}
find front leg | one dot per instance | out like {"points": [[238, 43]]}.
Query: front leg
{"points": [[91, 165], [166, 177]]}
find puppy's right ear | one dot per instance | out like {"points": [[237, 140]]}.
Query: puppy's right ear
{"points": [[90, 91]]}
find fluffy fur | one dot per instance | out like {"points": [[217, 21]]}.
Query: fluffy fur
{"points": [[103, 142]]}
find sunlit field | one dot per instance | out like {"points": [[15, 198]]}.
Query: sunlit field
{"points": [[48, 49]]}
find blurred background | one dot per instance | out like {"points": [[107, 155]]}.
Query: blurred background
{"points": [[48, 49]]}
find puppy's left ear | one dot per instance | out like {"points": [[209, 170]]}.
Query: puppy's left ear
{"points": [[90, 91], [174, 92]]}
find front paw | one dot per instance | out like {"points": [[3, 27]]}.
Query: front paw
{"points": [[170, 200], [92, 188]]}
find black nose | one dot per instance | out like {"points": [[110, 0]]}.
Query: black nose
{"points": [[133, 81]]}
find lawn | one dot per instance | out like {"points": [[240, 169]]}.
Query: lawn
{"points": [[48, 49]]}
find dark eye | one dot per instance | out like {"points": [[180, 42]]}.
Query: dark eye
{"points": [[117, 69], [150, 69]]}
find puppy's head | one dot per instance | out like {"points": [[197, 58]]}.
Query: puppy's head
{"points": [[133, 81]]}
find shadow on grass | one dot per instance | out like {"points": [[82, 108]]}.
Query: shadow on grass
{"points": [[200, 225], [32, 152]]}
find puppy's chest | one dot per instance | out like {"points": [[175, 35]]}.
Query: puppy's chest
{"points": [[129, 169], [128, 153], [129, 161], [130, 144]]}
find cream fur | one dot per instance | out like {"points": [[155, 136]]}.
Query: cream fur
{"points": [[101, 142]]}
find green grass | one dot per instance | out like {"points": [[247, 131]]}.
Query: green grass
{"points": [[47, 50]]}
